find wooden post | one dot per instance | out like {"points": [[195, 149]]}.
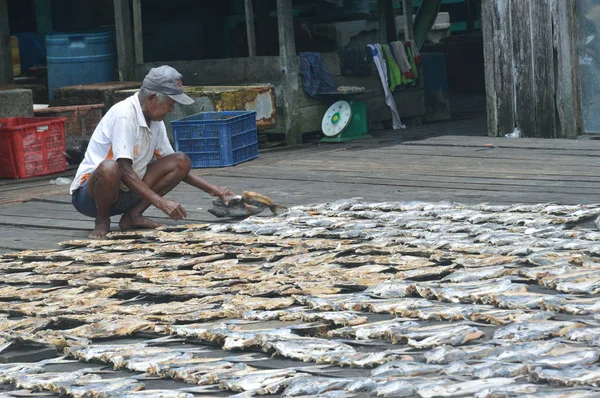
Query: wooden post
{"points": [[470, 17], [124, 41], [409, 31], [568, 78], [387, 26], [6, 65], [499, 73], [288, 61], [250, 28], [138, 41], [43, 16], [487, 29], [262, 27]]}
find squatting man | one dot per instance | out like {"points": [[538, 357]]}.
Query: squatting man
{"points": [[130, 164]]}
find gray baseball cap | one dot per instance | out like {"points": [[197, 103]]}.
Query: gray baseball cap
{"points": [[167, 80]]}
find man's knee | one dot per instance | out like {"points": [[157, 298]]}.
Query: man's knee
{"points": [[108, 170], [183, 162]]}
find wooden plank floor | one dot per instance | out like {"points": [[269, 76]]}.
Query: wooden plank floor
{"points": [[426, 163]]}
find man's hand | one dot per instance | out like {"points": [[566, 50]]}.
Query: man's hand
{"points": [[172, 209], [224, 193]]}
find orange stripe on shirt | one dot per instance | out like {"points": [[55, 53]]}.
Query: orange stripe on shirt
{"points": [[157, 154], [86, 177]]}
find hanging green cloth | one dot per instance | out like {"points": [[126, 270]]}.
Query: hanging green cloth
{"points": [[395, 73]]}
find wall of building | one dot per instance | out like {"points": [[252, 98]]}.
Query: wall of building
{"points": [[265, 70]]}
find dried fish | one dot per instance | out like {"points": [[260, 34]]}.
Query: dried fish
{"points": [[535, 330], [245, 205], [407, 387], [504, 317], [391, 290], [568, 305], [432, 336], [158, 394], [560, 360], [486, 369], [518, 390], [405, 369], [206, 372], [337, 318], [260, 380], [587, 335], [316, 386], [305, 349], [469, 292], [520, 300], [111, 328], [564, 393], [464, 388], [567, 377], [374, 330], [109, 387], [469, 275]]}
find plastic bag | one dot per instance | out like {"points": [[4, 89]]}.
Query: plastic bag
{"points": [[515, 134], [61, 181]]}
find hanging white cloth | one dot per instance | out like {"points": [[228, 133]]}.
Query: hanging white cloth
{"points": [[389, 98], [399, 52]]}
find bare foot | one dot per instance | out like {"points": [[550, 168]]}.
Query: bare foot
{"points": [[102, 228], [129, 221]]}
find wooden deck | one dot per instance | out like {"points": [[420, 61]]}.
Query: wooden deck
{"points": [[451, 161]]}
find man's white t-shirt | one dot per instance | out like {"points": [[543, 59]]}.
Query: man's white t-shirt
{"points": [[124, 134]]}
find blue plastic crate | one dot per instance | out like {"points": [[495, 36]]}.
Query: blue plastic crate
{"points": [[217, 139]]}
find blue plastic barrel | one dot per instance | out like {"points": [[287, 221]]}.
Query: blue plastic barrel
{"points": [[75, 59]]}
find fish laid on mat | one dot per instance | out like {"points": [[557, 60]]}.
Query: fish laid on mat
{"points": [[158, 394], [579, 376], [405, 369], [569, 305], [486, 369], [106, 387], [432, 336], [305, 349], [391, 290], [264, 381], [58, 382], [566, 358], [111, 328], [504, 317], [535, 330], [205, 371], [337, 318], [408, 387], [245, 205], [466, 388], [309, 386], [373, 330], [508, 353]]}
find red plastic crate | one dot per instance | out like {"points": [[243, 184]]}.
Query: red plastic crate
{"points": [[32, 146]]}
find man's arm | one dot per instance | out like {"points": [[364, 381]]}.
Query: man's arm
{"points": [[213, 190], [173, 209]]}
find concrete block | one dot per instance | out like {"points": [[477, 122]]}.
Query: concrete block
{"points": [[16, 103], [92, 93], [39, 91]]}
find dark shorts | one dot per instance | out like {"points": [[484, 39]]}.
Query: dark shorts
{"points": [[87, 206]]}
